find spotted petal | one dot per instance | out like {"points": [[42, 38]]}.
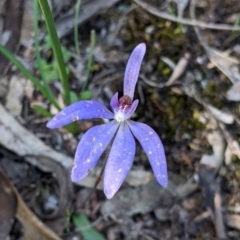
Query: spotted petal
{"points": [[91, 147], [132, 69], [79, 110], [153, 148], [119, 161]]}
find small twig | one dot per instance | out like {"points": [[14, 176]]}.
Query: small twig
{"points": [[218, 216], [196, 23]]}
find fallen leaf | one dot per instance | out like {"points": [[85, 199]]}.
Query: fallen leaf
{"points": [[233, 94], [227, 64], [217, 142], [220, 115], [8, 203], [33, 227], [179, 69], [15, 95]]}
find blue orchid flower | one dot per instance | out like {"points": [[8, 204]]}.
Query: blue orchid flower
{"points": [[121, 128]]}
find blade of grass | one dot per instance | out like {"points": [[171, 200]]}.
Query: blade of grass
{"points": [[56, 48], [77, 8], [36, 43], [90, 57], [85, 228], [42, 111], [28, 75]]}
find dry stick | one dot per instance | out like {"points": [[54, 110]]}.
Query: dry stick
{"points": [[218, 219], [218, 215], [192, 22]]}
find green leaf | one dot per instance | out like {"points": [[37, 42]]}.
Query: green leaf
{"points": [[67, 55], [72, 128], [29, 76], [86, 95], [56, 46], [41, 111], [84, 226], [47, 43], [74, 97], [50, 75]]}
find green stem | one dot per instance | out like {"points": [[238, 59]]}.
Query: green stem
{"points": [[56, 49], [36, 43]]}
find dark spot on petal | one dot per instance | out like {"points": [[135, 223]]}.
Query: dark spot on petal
{"points": [[125, 102]]}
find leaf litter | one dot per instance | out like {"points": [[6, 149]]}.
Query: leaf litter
{"points": [[199, 177]]}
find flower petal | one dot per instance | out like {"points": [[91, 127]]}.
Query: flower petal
{"points": [[91, 147], [114, 101], [132, 69], [119, 161], [153, 148], [79, 110]]}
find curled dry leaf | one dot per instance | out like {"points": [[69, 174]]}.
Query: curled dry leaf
{"points": [[179, 69], [33, 227], [220, 115]]}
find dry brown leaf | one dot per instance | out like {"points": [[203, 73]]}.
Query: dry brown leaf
{"points": [[16, 138], [8, 203], [179, 69], [33, 227], [15, 95], [224, 117]]}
